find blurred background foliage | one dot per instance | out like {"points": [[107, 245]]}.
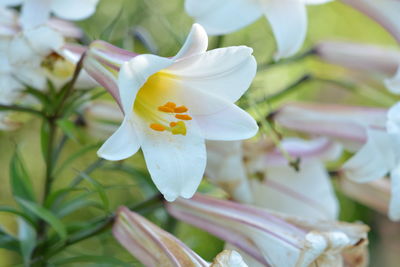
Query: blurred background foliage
{"points": [[118, 22]]}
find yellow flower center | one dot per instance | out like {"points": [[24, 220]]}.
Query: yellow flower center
{"points": [[161, 115]]}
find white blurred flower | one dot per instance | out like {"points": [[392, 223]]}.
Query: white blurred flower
{"points": [[225, 16], [373, 133], [171, 105], [257, 173], [37, 12], [155, 247]]}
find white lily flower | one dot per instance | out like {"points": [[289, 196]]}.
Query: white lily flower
{"points": [[273, 239], [374, 59], [171, 105], [155, 247], [225, 16], [37, 12], [379, 156], [257, 173], [372, 132]]}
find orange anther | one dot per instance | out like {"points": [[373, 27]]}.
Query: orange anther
{"points": [[170, 105], [172, 124], [183, 117], [157, 127], [166, 109], [181, 109]]}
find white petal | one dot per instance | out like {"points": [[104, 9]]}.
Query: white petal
{"points": [[228, 124], [176, 163], [228, 258], [44, 40], [374, 160], [225, 168], [225, 72], [394, 205], [393, 119], [223, 16], [74, 9], [196, 43], [135, 73], [35, 13], [21, 52], [122, 144], [306, 193], [34, 77], [393, 83], [289, 33]]}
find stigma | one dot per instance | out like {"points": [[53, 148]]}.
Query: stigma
{"points": [[175, 127]]}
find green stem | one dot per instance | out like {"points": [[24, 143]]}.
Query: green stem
{"points": [[50, 159], [286, 60]]}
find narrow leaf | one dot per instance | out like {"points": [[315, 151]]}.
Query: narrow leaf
{"points": [[7, 241], [20, 183], [45, 215], [18, 213], [100, 190]]}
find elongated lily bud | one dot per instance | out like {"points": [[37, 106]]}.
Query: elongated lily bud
{"points": [[103, 62], [271, 238], [385, 12], [374, 59], [156, 247], [360, 56], [346, 123]]}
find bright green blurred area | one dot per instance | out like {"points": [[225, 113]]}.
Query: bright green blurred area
{"points": [[168, 25]]}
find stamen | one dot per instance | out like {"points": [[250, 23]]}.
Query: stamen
{"points": [[172, 124], [158, 127], [181, 109], [170, 105], [183, 117], [179, 128], [166, 109]]}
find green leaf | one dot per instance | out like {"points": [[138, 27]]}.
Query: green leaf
{"points": [[18, 213], [39, 95], [68, 127], [20, 183], [99, 189], [45, 215], [75, 204], [8, 241], [53, 199], [27, 239], [92, 259]]}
